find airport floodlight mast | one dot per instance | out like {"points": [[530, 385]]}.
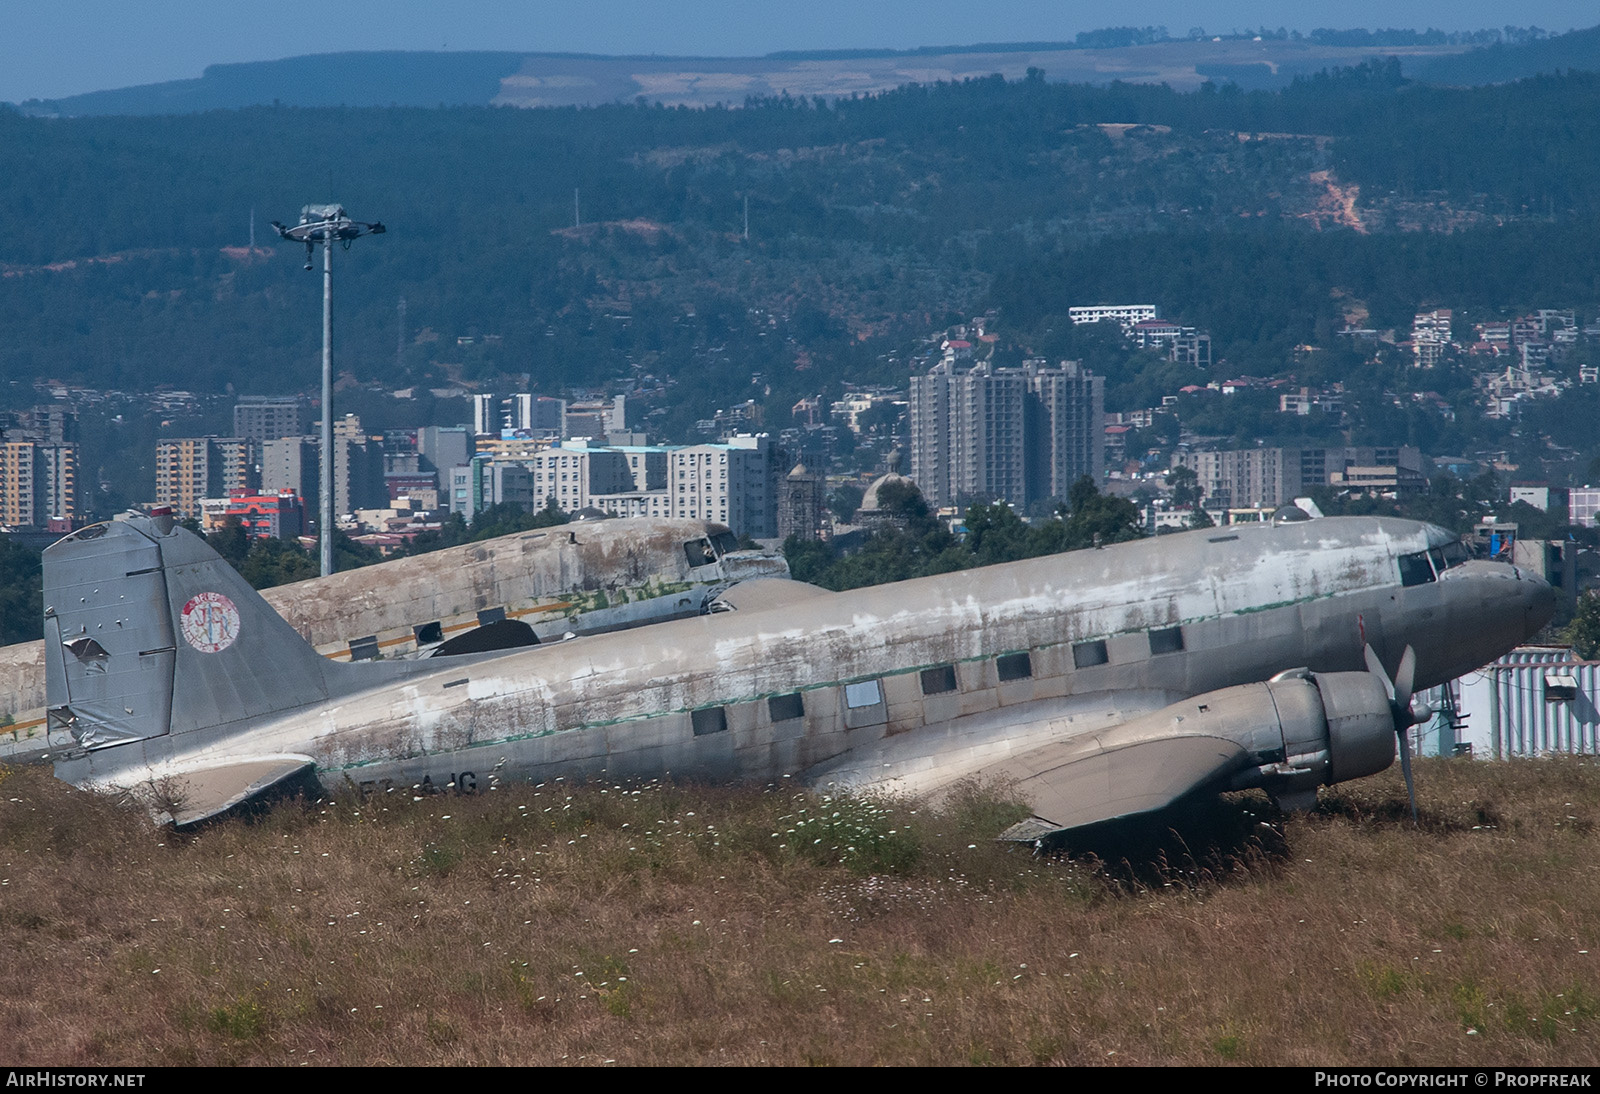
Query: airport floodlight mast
{"points": [[327, 225]]}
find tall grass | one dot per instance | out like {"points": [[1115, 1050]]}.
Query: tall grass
{"points": [[658, 923]]}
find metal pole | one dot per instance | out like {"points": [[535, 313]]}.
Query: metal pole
{"points": [[1494, 713], [325, 532], [326, 224]]}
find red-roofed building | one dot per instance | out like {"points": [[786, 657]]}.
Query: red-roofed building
{"points": [[269, 516]]}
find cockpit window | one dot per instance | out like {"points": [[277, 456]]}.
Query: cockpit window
{"points": [[698, 552], [1415, 569], [725, 542]]}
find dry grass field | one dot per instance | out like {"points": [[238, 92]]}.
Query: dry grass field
{"points": [[659, 924]]}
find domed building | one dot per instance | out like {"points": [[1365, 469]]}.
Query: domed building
{"points": [[871, 514]]}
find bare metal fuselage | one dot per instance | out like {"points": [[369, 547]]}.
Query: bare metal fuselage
{"points": [[897, 685]]}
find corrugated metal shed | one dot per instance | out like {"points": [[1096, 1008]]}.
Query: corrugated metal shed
{"points": [[1534, 701]]}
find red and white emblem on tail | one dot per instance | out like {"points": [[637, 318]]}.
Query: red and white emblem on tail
{"points": [[210, 622]]}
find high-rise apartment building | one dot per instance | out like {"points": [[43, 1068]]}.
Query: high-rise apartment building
{"points": [[18, 484], [290, 463], [189, 469], [38, 483], [1017, 434], [269, 417]]}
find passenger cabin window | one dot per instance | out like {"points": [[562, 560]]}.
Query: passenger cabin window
{"points": [[783, 708], [939, 680], [364, 649], [1088, 654], [428, 633], [491, 615], [866, 694], [1014, 666], [725, 542], [1415, 569], [1169, 640], [709, 720]]}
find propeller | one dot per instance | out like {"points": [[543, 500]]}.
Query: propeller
{"points": [[1406, 712]]}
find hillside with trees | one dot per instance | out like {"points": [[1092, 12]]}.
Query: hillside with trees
{"points": [[1269, 218]]}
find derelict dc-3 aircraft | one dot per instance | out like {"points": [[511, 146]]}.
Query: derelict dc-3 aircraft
{"points": [[1101, 684]]}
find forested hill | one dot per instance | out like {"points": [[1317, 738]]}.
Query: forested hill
{"points": [[1264, 216], [376, 78], [1268, 60], [1578, 50]]}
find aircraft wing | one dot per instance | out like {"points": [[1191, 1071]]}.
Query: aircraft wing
{"points": [[1075, 783], [1103, 758]]}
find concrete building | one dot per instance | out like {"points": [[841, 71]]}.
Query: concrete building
{"points": [[58, 465], [185, 473], [439, 448], [290, 464], [1124, 314], [38, 483], [483, 483], [268, 516], [189, 469], [1583, 505], [1064, 434], [1184, 345], [596, 418], [1269, 477], [800, 504], [732, 483], [49, 423], [1430, 337], [19, 485], [1020, 434], [269, 417], [485, 415]]}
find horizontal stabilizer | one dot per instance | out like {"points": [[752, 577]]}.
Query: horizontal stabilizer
{"points": [[1081, 782], [197, 795]]}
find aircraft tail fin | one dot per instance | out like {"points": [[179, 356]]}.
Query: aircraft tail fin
{"points": [[149, 633]]}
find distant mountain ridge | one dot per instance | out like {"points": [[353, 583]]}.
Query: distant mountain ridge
{"points": [[383, 78], [430, 79]]}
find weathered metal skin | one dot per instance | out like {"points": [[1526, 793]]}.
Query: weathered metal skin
{"points": [[542, 577], [1108, 635]]}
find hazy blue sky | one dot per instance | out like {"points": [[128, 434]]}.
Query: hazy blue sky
{"points": [[65, 47]]}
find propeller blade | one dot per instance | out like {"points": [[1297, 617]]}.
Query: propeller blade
{"points": [[1399, 692], [1404, 679], [1375, 667], [1405, 769]]}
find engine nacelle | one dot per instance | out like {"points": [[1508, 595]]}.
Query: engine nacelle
{"points": [[1360, 720], [1334, 727]]}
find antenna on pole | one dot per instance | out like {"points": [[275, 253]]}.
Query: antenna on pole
{"points": [[747, 218], [326, 225], [577, 221], [252, 229], [400, 335]]}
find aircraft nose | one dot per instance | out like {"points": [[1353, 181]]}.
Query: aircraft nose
{"points": [[1540, 600]]}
